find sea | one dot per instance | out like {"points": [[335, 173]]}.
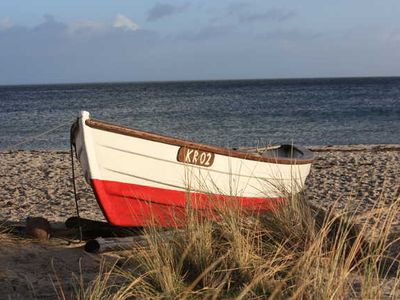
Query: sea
{"points": [[230, 113]]}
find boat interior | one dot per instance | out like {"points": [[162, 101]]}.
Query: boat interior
{"points": [[278, 151]]}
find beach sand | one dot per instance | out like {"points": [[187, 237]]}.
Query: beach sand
{"points": [[38, 183]]}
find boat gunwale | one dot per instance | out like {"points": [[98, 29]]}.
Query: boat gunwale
{"points": [[118, 129]]}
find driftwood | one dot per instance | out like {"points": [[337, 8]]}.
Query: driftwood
{"points": [[100, 244], [92, 229]]}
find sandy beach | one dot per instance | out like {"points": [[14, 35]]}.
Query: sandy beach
{"points": [[38, 183]]}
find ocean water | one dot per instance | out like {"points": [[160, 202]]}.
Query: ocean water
{"points": [[226, 113]]}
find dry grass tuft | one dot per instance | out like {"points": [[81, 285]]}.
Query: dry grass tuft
{"points": [[294, 252], [6, 233]]}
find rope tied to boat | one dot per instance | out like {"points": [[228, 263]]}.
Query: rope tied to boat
{"points": [[32, 138], [72, 146]]}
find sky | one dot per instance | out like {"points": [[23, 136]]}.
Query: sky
{"points": [[67, 41]]}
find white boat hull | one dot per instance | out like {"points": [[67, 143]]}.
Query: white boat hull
{"points": [[137, 179]]}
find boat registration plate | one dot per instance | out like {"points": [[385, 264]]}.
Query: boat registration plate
{"points": [[195, 157]]}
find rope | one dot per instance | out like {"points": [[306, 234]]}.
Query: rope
{"points": [[76, 194], [30, 139], [74, 182]]}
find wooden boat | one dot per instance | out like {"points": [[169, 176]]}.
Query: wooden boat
{"points": [[140, 177]]}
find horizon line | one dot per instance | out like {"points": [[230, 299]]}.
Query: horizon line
{"points": [[198, 80]]}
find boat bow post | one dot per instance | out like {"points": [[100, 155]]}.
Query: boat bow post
{"points": [[73, 132]]}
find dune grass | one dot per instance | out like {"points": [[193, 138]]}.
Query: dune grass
{"points": [[294, 252]]}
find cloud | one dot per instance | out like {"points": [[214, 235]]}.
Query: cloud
{"points": [[125, 23], [208, 32], [161, 10], [392, 36], [55, 51], [290, 35], [50, 26], [84, 50], [6, 23], [236, 7], [247, 13], [86, 27], [273, 14]]}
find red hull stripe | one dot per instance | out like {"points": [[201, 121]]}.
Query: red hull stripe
{"points": [[126, 204]]}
